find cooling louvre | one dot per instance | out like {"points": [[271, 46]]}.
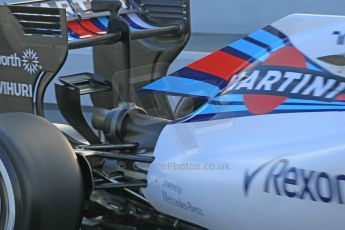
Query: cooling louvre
{"points": [[38, 21]]}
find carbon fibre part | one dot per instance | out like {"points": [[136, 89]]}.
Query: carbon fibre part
{"points": [[29, 36]]}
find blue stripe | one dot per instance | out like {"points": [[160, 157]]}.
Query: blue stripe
{"points": [[178, 94], [309, 107], [104, 21], [72, 34], [229, 97], [306, 111], [200, 76], [290, 100], [183, 86], [98, 24], [239, 54], [210, 108], [312, 67], [132, 23], [306, 105], [249, 48], [320, 68], [267, 38], [70, 38]]}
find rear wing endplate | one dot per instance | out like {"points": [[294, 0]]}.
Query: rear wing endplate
{"points": [[33, 48]]}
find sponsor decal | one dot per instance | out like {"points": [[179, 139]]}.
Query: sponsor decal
{"points": [[287, 82], [29, 61], [15, 89], [285, 180], [340, 37], [171, 195]]}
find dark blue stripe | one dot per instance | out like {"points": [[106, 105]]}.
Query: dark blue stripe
{"points": [[131, 23], [200, 76], [277, 33], [239, 54], [256, 42], [306, 111], [316, 65], [98, 24], [226, 103], [73, 34]]}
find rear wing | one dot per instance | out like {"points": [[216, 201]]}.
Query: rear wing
{"points": [[145, 18], [158, 31], [154, 53]]}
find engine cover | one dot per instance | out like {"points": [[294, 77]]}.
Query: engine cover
{"points": [[267, 149]]}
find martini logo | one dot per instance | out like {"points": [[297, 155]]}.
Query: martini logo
{"points": [[288, 82], [29, 61], [285, 74], [281, 178]]}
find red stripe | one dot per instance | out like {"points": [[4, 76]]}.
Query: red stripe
{"points": [[220, 64], [341, 97], [263, 104], [90, 26], [287, 56], [78, 29]]}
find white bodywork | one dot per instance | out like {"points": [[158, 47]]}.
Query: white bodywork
{"points": [[277, 171], [312, 142], [314, 36]]}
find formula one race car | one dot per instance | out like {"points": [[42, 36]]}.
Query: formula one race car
{"points": [[255, 142]]}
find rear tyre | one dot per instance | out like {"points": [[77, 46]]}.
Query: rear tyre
{"points": [[41, 184]]}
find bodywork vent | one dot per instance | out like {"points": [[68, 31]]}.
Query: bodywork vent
{"points": [[38, 21], [164, 10]]}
